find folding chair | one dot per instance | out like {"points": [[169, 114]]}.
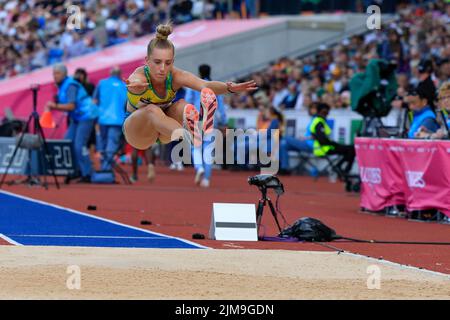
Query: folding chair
{"points": [[352, 182], [115, 166], [305, 163]]}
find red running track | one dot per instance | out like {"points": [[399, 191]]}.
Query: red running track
{"points": [[3, 243], [176, 207]]}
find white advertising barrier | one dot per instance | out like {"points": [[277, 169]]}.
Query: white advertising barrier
{"points": [[345, 123], [233, 221]]}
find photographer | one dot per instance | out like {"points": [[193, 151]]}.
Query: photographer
{"points": [[423, 119]]}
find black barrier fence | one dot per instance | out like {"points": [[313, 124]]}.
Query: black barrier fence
{"points": [[30, 162]]}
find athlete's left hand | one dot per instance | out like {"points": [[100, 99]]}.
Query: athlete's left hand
{"points": [[242, 87]]}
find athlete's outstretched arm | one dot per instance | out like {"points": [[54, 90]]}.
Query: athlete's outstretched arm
{"points": [[137, 83], [187, 79]]}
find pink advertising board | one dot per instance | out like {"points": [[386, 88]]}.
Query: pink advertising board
{"points": [[414, 173]]}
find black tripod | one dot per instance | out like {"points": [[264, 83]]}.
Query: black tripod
{"points": [[37, 130], [262, 203]]}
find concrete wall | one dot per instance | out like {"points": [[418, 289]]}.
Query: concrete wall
{"points": [[236, 54]]}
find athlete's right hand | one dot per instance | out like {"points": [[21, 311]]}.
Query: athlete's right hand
{"points": [[136, 85]]}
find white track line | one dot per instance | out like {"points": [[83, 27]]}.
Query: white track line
{"points": [[11, 241], [395, 264], [102, 219], [69, 236]]}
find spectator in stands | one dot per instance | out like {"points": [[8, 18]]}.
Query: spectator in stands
{"points": [[444, 106], [79, 46], [55, 53], [426, 85], [291, 143], [268, 141], [290, 100], [343, 100], [403, 85], [336, 83], [279, 93], [393, 49], [32, 33], [417, 35], [73, 98], [40, 58], [81, 76], [111, 97], [423, 117], [181, 11], [263, 119], [278, 124], [444, 97], [444, 70], [32, 37], [323, 145]]}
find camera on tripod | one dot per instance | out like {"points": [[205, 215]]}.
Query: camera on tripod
{"points": [[372, 92], [264, 182], [33, 142], [267, 181]]}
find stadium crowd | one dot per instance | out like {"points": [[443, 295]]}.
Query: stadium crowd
{"points": [[34, 33], [420, 35]]}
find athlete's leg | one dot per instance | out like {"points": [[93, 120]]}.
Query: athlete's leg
{"points": [[186, 114], [143, 127], [134, 165], [176, 110], [150, 161], [164, 139], [208, 102]]}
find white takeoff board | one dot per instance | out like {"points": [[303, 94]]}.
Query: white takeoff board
{"points": [[233, 221]]}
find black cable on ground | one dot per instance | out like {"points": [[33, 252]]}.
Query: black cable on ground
{"points": [[278, 210]]}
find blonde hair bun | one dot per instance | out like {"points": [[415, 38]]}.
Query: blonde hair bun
{"points": [[163, 31]]}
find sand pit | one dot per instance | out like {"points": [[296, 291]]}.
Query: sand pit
{"points": [[41, 273]]}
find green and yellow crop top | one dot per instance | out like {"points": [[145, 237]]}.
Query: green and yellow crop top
{"points": [[150, 95]]}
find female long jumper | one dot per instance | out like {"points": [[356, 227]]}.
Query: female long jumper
{"points": [[151, 112]]}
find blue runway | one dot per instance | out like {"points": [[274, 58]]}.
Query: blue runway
{"points": [[25, 221]]}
